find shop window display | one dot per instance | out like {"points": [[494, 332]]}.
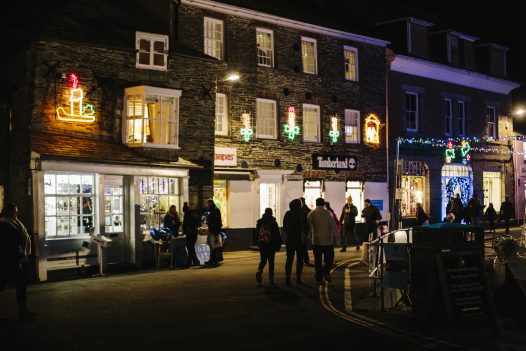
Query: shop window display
{"points": [[157, 194], [69, 201], [413, 192]]}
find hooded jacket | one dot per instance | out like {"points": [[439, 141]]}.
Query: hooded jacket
{"points": [[295, 224]]}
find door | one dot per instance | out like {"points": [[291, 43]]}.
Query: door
{"points": [[115, 219]]}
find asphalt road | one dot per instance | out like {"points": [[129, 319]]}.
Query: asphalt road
{"points": [[219, 308]]}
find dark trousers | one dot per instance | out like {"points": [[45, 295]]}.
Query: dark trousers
{"points": [[18, 273], [372, 228], [507, 224], [347, 232], [305, 254], [267, 254], [294, 249], [190, 247], [491, 224], [327, 254]]}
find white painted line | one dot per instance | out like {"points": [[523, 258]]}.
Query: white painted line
{"points": [[347, 290]]}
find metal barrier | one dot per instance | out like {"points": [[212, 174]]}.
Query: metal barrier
{"points": [[377, 261]]}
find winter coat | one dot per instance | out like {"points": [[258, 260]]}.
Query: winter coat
{"points": [[421, 216], [506, 210], [190, 223], [275, 241], [322, 227], [348, 216], [295, 224], [15, 241], [213, 219]]}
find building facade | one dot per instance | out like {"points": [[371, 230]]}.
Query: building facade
{"points": [[449, 119]]}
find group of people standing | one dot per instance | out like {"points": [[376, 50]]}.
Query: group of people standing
{"points": [[319, 227]]}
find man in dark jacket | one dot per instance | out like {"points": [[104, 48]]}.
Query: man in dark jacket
{"points": [[213, 220], [190, 229], [348, 219], [372, 217], [506, 212], [295, 227], [15, 249]]}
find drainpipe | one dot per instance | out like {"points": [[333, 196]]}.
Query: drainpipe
{"points": [[174, 18], [389, 57]]}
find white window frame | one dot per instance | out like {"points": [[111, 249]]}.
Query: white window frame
{"points": [[316, 139], [268, 51], [349, 49], [348, 130], [211, 44], [491, 123], [153, 38], [221, 115], [461, 106], [304, 54], [173, 121], [260, 119], [448, 116], [415, 111]]}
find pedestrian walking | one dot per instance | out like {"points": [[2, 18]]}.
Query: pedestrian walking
{"points": [[15, 249], [348, 220], [269, 243], [474, 209], [306, 210], [457, 208], [372, 217], [323, 232], [490, 216], [506, 212], [190, 230], [213, 220], [421, 216], [295, 226]]}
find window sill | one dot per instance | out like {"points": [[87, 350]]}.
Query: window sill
{"points": [[153, 146]]}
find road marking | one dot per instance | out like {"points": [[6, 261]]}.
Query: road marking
{"points": [[375, 325], [347, 287]]}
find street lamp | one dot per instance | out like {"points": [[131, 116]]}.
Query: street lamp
{"points": [[519, 111]]}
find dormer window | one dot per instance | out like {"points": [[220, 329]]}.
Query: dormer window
{"points": [[497, 62], [418, 37], [461, 50], [152, 51]]}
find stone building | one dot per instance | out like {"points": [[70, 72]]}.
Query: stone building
{"points": [[450, 105]]}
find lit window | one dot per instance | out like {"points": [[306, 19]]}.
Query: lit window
{"points": [[311, 123], [213, 37], [152, 51], [265, 44], [266, 119], [491, 118], [309, 55], [461, 118], [151, 117], [411, 111], [269, 198], [69, 201], [352, 126], [448, 118], [221, 122], [156, 195], [351, 63]]}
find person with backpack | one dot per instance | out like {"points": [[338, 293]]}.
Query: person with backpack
{"points": [[269, 242], [296, 228]]}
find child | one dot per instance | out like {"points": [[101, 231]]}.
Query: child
{"points": [[490, 215]]}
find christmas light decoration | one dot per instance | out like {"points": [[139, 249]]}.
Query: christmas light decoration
{"points": [[334, 133], [444, 144], [450, 154], [291, 128], [78, 112], [372, 128], [247, 131], [459, 185]]}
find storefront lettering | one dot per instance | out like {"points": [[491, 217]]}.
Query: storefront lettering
{"points": [[333, 162], [225, 156]]}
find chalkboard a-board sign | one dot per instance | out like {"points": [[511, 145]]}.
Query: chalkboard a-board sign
{"points": [[465, 288]]}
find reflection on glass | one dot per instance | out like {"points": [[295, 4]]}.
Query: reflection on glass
{"points": [[49, 184]]}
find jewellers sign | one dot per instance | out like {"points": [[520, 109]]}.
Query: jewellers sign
{"points": [[336, 162], [225, 156]]}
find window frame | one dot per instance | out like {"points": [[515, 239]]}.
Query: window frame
{"points": [[152, 38], [266, 31], [260, 135], [358, 126], [207, 49], [354, 50], [494, 122], [416, 111], [315, 55], [318, 121], [448, 117], [223, 115], [148, 91], [461, 117]]}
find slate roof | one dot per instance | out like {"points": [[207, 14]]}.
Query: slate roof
{"points": [[52, 146]]}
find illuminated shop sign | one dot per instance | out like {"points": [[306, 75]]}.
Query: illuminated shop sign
{"points": [[336, 162], [78, 110], [225, 156]]}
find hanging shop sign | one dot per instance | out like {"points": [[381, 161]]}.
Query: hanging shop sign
{"points": [[78, 110], [372, 129], [247, 131], [335, 162], [457, 153], [225, 156], [334, 133], [291, 129]]}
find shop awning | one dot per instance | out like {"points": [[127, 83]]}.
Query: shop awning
{"points": [[234, 174], [62, 147]]}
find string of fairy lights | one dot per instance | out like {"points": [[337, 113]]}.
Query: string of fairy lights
{"points": [[446, 143]]}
